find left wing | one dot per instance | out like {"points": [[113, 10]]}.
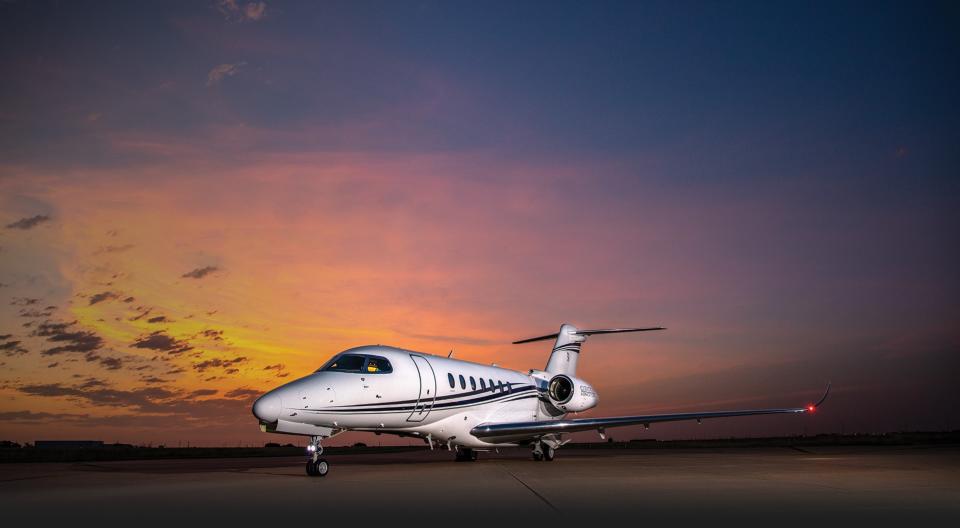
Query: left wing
{"points": [[510, 432]]}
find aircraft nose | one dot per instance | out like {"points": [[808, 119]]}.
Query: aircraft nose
{"points": [[267, 407]]}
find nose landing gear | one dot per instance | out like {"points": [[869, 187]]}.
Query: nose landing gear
{"points": [[316, 466]]}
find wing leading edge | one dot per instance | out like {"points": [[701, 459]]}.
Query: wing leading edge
{"points": [[511, 432]]}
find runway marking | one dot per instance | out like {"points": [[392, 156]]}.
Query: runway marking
{"points": [[541, 497]]}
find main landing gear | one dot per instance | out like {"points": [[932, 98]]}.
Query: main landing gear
{"points": [[316, 466], [465, 454], [543, 451]]}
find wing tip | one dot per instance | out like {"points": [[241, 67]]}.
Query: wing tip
{"points": [[824, 397], [814, 406]]}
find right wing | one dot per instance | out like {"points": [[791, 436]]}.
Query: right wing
{"points": [[516, 431]]}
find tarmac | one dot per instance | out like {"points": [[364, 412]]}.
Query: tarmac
{"points": [[789, 486]]}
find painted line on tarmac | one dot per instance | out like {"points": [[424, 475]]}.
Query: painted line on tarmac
{"points": [[541, 497]]}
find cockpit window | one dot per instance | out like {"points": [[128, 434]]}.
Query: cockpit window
{"points": [[358, 363], [377, 365], [346, 363]]}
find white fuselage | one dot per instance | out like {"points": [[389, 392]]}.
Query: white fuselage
{"points": [[416, 398]]}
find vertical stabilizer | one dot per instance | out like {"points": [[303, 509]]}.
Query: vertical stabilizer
{"points": [[566, 351]]}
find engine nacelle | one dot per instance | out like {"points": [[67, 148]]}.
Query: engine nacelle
{"points": [[571, 394]]}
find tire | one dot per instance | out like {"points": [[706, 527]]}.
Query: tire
{"points": [[549, 453], [538, 457], [466, 455], [321, 468], [311, 470]]}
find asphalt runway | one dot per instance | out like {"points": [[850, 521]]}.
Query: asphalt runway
{"points": [[789, 486]]}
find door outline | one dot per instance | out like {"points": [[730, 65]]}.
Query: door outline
{"points": [[428, 390]]}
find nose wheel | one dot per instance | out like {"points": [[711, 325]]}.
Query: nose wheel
{"points": [[316, 466]]}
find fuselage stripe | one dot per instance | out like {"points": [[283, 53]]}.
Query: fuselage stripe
{"points": [[407, 411], [500, 398], [511, 386], [488, 395]]}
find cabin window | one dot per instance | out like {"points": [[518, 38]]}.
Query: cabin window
{"points": [[483, 384], [453, 384], [473, 383], [463, 382]]}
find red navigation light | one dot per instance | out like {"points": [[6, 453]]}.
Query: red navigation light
{"points": [[811, 408]]}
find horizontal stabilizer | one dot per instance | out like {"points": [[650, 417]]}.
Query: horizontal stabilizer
{"points": [[617, 330], [590, 332]]}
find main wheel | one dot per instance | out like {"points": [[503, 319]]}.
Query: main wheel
{"points": [[548, 453], [311, 469], [537, 456], [466, 455]]}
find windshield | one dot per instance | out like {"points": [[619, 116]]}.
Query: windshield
{"points": [[358, 363]]}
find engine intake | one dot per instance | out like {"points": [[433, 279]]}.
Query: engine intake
{"points": [[571, 394], [561, 389]]}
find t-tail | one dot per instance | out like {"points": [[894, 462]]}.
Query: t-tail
{"points": [[566, 350]]}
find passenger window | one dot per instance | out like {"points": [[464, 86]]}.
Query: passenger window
{"points": [[483, 385], [453, 384], [463, 382], [473, 383]]}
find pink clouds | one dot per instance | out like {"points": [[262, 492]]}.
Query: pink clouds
{"points": [[320, 251]]}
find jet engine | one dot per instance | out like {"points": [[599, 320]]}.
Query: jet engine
{"points": [[571, 394]]}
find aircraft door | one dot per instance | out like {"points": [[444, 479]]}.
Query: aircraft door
{"points": [[428, 389]]}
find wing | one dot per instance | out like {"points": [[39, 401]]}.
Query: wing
{"points": [[512, 432]]}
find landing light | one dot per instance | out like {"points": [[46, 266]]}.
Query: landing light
{"points": [[311, 448]]}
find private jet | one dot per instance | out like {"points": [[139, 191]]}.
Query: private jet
{"points": [[464, 406]]}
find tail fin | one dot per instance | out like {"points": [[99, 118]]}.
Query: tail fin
{"points": [[566, 351]]}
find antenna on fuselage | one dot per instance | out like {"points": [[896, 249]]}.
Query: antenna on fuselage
{"points": [[450, 355]]}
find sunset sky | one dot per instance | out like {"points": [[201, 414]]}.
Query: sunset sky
{"points": [[202, 200]]}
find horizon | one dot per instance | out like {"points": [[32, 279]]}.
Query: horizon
{"points": [[300, 441], [200, 201]]}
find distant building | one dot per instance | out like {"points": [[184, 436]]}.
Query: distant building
{"points": [[67, 444]]}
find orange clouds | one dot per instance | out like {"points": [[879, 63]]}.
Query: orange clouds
{"points": [[199, 275]]}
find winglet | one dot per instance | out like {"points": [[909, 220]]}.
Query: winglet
{"points": [[825, 394], [814, 406]]}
